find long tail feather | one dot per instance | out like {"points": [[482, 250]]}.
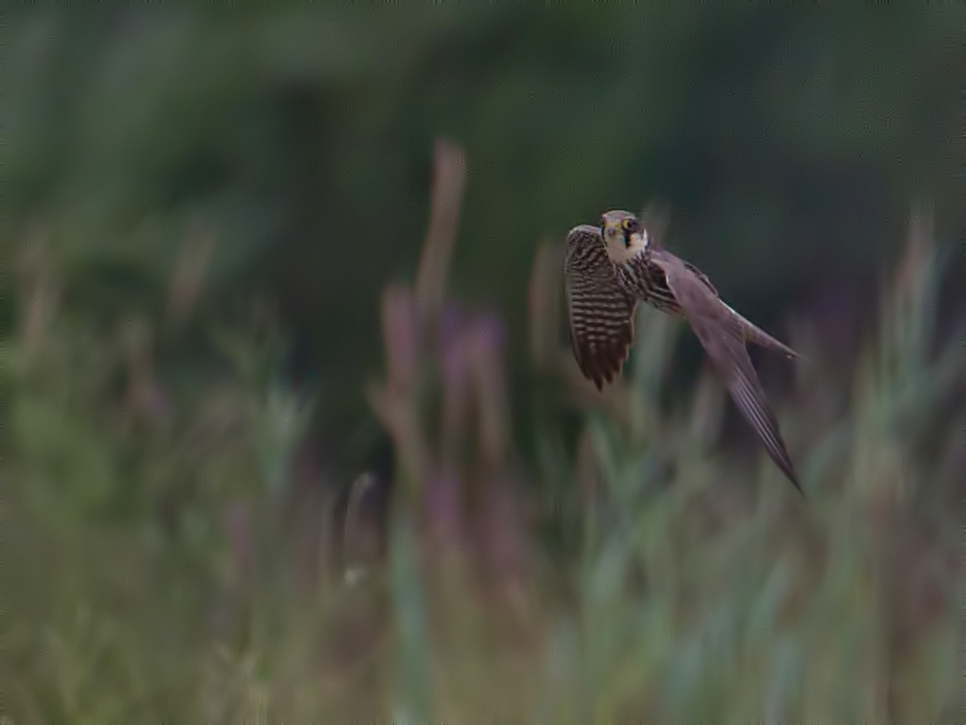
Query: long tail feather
{"points": [[756, 335]]}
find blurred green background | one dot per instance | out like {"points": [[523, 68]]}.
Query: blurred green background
{"points": [[201, 213]]}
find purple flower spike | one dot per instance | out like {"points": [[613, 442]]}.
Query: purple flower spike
{"points": [[452, 320], [442, 503], [452, 347], [490, 336], [494, 421], [455, 365]]}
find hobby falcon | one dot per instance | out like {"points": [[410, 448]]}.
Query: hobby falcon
{"points": [[610, 268]]}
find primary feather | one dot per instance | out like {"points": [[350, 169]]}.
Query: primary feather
{"points": [[722, 333]]}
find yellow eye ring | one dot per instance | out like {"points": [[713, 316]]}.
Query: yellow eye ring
{"points": [[627, 224]]}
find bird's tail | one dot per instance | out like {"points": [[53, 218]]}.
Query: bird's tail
{"points": [[759, 337]]}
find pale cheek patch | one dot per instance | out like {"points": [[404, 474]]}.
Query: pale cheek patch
{"points": [[621, 254], [641, 242]]}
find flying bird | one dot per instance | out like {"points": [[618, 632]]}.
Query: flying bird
{"points": [[610, 268]]}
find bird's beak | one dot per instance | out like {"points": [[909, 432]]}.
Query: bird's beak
{"points": [[610, 228]]}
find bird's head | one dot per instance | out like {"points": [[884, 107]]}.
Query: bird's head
{"points": [[624, 236]]}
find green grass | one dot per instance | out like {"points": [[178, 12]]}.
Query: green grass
{"points": [[154, 570]]}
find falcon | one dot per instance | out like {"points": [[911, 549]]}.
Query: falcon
{"points": [[610, 268]]}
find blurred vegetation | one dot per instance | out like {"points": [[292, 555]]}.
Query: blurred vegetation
{"points": [[202, 213], [302, 138]]}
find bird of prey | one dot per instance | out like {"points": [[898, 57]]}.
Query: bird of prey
{"points": [[610, 268]]}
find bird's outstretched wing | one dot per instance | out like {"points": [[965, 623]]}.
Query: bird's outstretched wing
{"points": [[723, 336], [601, 315]]}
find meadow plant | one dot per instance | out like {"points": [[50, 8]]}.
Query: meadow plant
{"points": [[627, 568]]}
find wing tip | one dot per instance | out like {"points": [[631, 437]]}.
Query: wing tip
{"points": [[779, 454], [783, 460], [793, 477], [794, 354]]}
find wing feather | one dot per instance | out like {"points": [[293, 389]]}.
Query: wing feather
{"points": [[600, 313], [723, 337]]}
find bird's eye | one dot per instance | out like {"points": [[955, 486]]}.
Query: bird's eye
{"points": [[629, 224]]}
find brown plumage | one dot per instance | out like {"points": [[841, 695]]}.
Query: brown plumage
{"points": [[601, 324], [608, 270]]}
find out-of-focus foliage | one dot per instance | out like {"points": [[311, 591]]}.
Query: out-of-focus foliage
{"points": [[784, 140], [554, 554], [164, 556]]}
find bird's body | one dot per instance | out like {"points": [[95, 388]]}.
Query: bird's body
{"points": [[609, 269]]}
